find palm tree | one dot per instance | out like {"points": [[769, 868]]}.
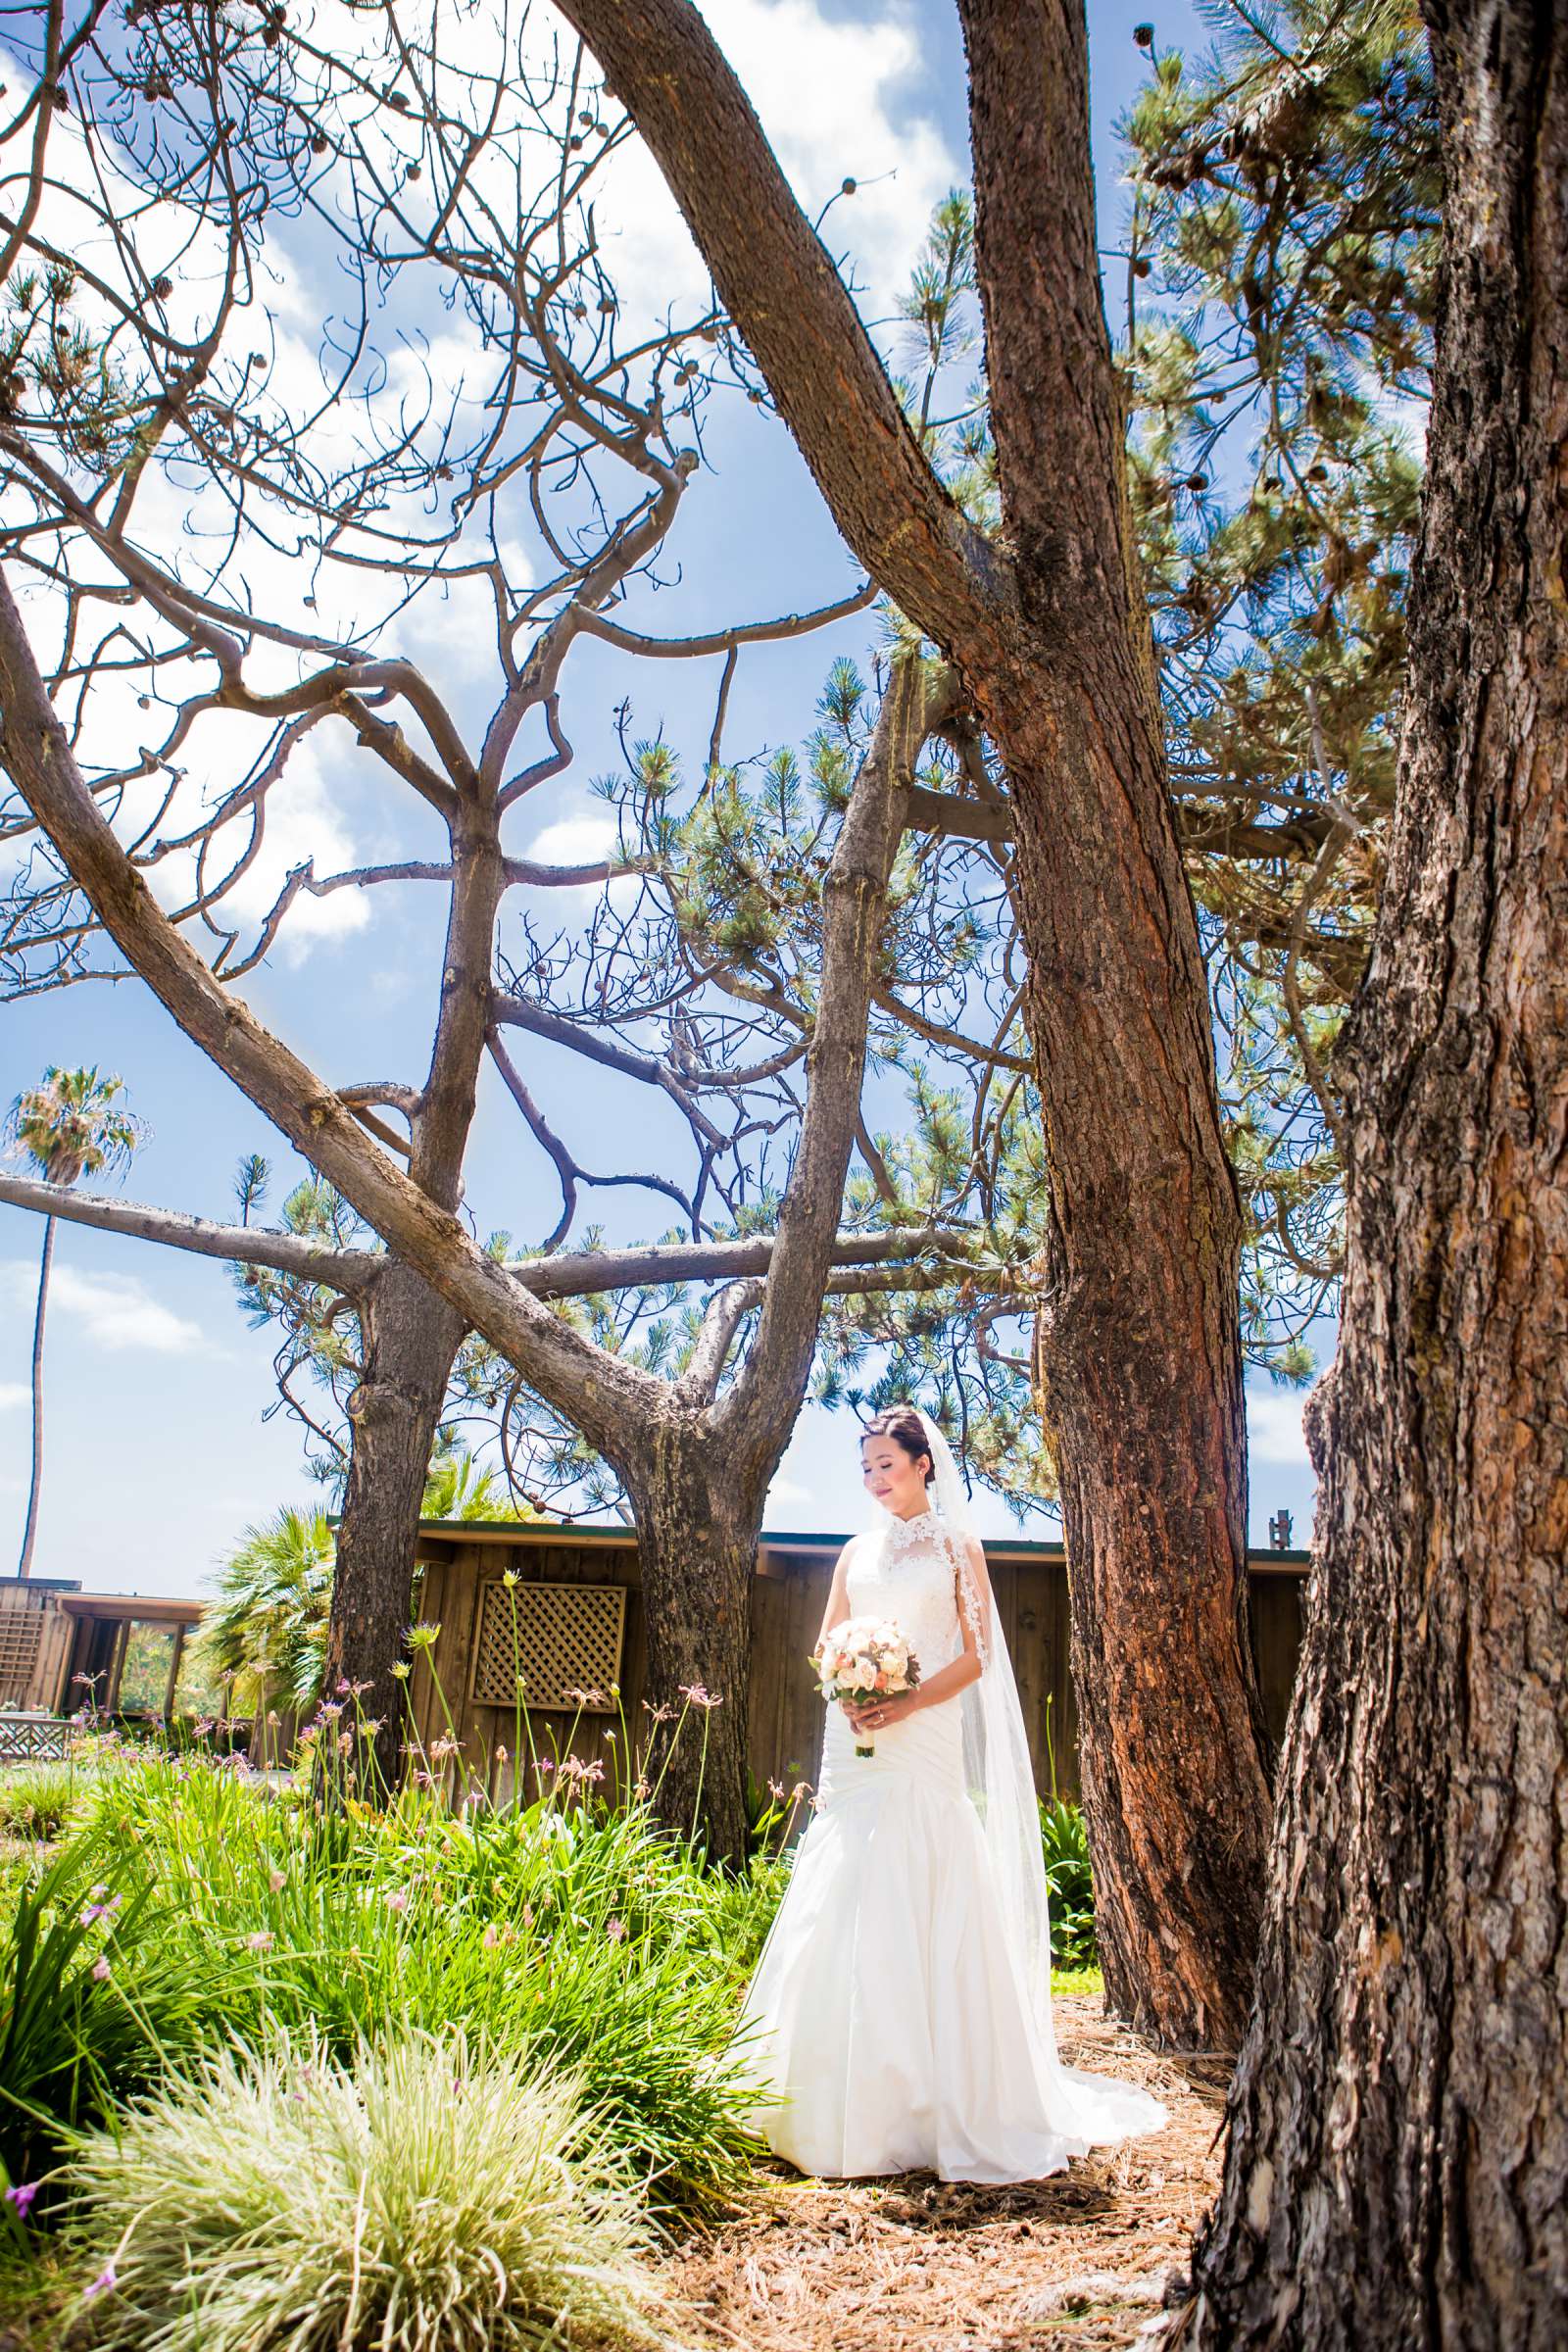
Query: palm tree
{"points": [[264, 1637], [68, 1126], [458, 1487]]}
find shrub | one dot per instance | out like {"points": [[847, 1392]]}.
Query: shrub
{"points": [[89, 1995], [582, 1934], [1070, 1879], [430, 2196], [36, 1799]]}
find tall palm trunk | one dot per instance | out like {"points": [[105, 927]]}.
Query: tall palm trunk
{"points": [[30, 1530]]}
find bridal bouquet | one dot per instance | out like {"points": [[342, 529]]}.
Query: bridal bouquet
{"points": [[864, 1659]]}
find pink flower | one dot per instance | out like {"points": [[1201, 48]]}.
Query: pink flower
{"points": [[615, 1930], [261, 1939], [101, 1969], [277, 1881], [398, 1899]]}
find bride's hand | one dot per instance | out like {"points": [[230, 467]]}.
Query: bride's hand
{"points": [[878, 1713]]}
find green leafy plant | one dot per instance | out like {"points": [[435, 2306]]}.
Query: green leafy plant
{"points": [[92, 1994], [432, 2195], [36, 1799], [565, 1929], [1070, 1879]]}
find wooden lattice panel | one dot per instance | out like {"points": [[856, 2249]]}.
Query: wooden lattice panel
{"points": [[564, 1640], [20, 1624], [33, 1738]]}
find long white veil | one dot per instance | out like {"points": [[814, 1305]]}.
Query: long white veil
{"points": [[1001, 1786]]}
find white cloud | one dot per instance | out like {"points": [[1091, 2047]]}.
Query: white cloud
{"points": [[117, 1311], [787, 1489], [832, 97], [1274, 1425], [580, 840], [12, 1392], [575, 841]]}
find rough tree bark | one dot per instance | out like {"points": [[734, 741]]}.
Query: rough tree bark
{"points": [[1397, 2176], [697, 1551], [409, 1337], [1047, 628]]}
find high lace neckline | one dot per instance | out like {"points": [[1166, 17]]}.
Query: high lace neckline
{"points": [[902, 1534]]}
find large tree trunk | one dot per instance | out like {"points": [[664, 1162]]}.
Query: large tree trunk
{"points": [[1140, 1359], [1396, 2173], [409, 1337], [697, 1547], [1140, 1332], [410, 1334], [1048, 627], [29, 1532]]}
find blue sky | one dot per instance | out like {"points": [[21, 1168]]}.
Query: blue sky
{"points": [[157, 1450]]}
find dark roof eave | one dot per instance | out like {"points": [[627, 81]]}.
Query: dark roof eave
{"points": [[551, 1531]]}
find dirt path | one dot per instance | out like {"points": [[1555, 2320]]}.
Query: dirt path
{"points": [[1076, 2261]]}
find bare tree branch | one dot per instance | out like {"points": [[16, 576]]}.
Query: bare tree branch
{"points": [[778, 284]]}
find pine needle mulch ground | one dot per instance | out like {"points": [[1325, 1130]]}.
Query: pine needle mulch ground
{"points": [[1077, 2261]]}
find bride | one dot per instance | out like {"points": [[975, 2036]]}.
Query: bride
{"points": [[900, 2016]]}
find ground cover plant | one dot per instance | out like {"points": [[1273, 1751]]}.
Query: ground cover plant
{"points": [[205, 1965], [428, 2194], [36, 1798]]}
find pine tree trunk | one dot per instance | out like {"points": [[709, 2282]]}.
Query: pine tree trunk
{"points": [[1397, 2176], [409, 1338], [1138, 1337], [697, 1547], [29, 1532], [1140, 1360]]}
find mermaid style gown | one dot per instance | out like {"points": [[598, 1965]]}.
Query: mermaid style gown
{"points": [[887, 2025]]}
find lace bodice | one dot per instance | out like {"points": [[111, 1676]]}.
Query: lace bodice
{"points": [[908, 1573]]}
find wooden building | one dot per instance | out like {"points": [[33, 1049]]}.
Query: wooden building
{"points": [[572, 1622], [61, 1648]]}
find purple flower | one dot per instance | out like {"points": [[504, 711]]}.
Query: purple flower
{"points": [[105, 2283], [21, 2197]]}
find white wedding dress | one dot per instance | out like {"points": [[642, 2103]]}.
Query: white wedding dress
{"points": [[890, 2023]]}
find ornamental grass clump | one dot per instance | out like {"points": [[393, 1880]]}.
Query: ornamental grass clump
{"points": [[430, 2195], [37, 1800], [94, 1990]]}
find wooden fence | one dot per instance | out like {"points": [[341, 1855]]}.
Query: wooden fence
{"points": [[563, 1637]]}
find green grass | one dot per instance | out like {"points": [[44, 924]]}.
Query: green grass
{"points": [[93, 1993], [1070, 1981]]}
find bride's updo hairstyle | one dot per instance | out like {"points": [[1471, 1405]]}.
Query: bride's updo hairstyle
{"points": [[901, 1423]]}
